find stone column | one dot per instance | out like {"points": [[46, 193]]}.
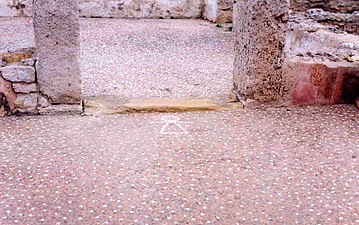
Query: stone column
{"points": [[57, 34], [260, 27]]}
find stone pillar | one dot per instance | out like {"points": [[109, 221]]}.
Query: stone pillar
{"points": [[57, 34], [260, 27]]}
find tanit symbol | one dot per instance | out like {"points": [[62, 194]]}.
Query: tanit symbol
{"points": [[172, 121]]}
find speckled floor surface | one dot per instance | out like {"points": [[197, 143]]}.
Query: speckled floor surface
{"points": [[145, 58], [249, 167]]}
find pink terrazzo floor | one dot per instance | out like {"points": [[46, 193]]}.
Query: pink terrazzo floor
{"points": [[249, 167]]}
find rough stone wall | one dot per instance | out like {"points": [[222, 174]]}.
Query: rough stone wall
{"points": [[342, 15], [214, 10], [322, 51], [324, 62], [117, 8], [57, 37], [311, 58], [348, 22], [19, 89], [260, 28], [141, 8], [339, 6]]}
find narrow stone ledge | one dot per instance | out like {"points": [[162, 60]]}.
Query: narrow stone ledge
{"points": [[61, 109]]}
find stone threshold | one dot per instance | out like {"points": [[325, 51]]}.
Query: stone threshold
{"points": [[110, 105], [107, 105]]}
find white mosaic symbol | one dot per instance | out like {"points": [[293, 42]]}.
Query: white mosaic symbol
{"points": [[172, 120]]}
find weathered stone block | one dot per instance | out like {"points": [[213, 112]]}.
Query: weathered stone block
{"points": [[220, 11], [57, 35], [18, 73], [26, 101], [211, 10], [225, 16], [24, 88], [28, 62], [17, 55], [43, 102], [321, 44], [260, 29]]}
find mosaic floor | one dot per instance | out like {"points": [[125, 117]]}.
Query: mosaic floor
{"points": [[144, 58], [272, 166]]}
